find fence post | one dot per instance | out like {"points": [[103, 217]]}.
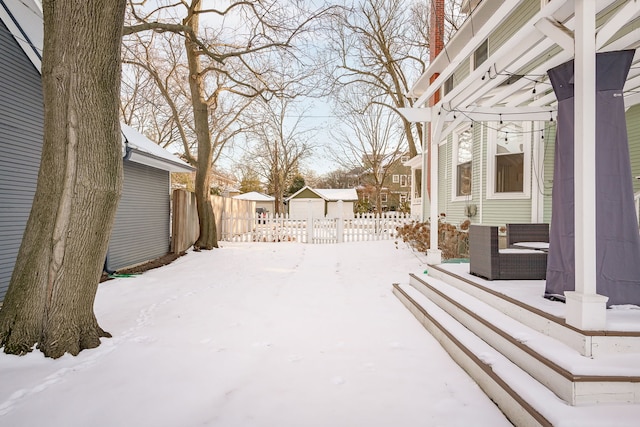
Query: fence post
{"points": [[340, 225], [309, 222]]}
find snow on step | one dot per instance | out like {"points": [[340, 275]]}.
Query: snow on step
{"points": [[552, 408], [553, 350]]}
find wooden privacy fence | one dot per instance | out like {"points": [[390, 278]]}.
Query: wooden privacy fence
{"points": [[282, 228], [184, 222]]}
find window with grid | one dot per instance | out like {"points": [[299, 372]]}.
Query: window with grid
{"points": [[464, 161]]}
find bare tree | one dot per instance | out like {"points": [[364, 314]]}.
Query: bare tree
{"points": [[340, 178], [55, 279], [234, 58], [279, 143], [384, 44], [370, 140]]}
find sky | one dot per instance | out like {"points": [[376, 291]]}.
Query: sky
{"points": [[254, 334]]}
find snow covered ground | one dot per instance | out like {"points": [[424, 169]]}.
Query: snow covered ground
{"points": [[254, 334]]}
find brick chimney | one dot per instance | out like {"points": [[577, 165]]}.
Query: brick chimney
{"points": [[436, 45]]}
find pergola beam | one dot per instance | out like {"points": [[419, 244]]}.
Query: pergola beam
{"points": [[557, 32], [624, 15], [504, 11]]}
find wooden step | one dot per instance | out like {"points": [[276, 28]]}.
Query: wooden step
{"points": [[587, 343], [523, 399], [577, 379]]}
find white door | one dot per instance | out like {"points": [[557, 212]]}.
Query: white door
{"points": [[299, 208]]}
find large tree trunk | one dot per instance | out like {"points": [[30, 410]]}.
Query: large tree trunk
{"points": [[50, 298], [208, 238]]}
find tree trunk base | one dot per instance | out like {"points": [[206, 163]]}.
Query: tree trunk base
{"points": [[20, 338]]}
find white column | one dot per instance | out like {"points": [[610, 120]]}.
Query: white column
{"points": [[585, 309], [425, 160], [434, 255]]}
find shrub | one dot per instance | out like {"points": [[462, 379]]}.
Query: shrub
{"points": [[453, 241]]}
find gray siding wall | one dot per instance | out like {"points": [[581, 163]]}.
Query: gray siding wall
{"points": [[21, 117], [141, 229]]}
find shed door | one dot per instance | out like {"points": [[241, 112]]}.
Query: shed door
{"points": [[299, 208]]}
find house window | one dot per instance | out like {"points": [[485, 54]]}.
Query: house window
{"points": [[403, 197], [509, 161], [404, 159], [462, 160], [417, 189], [396, 179], [481, 54], [403, 180], [448, 85], [383, 197]]}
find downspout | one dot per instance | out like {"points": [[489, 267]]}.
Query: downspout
{"points": [[127, 156]]}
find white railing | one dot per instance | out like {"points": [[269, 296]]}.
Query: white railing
{"points": [[281, 228]]}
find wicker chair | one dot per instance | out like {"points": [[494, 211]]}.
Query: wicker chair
{"points": [[486, 260], [527, 233]]}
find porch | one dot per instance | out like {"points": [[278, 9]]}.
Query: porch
{"points": [[517, 346]]}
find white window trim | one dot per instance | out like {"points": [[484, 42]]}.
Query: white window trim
{"points": [[454, 169], [406, 181], [396, 178], [492, 135]]}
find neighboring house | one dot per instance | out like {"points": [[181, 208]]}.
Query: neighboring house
{"points": [[397, 185], [226, 185], [493, 127], [395, 193], [142, 227], [321, 203], [264, 202]]}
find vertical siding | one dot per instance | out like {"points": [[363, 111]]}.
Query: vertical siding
{"points": [[141, 229], [21, 118]]}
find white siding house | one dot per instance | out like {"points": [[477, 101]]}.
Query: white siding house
{"points": [[321, 203]]}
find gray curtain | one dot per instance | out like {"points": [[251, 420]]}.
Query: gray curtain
{"points": [[617, 238]]}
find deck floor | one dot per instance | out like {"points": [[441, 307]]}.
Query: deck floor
{"points": [[531, 292]]}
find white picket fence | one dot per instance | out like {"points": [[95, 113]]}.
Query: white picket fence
{"points": [[281, 228]]}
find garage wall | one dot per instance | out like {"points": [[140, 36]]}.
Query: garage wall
{"points": [[21, 118], [299, 208]]}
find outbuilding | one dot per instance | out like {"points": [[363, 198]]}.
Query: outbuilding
{"points": [[321, 203], [142, 226], [264, 202]]}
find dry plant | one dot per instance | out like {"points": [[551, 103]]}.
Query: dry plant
{"points": [[453, 241]]}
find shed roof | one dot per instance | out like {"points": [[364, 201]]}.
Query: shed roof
{"points": [[330, 194], [24, 19], [147, 152], [335, 194], [255, 196]]}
